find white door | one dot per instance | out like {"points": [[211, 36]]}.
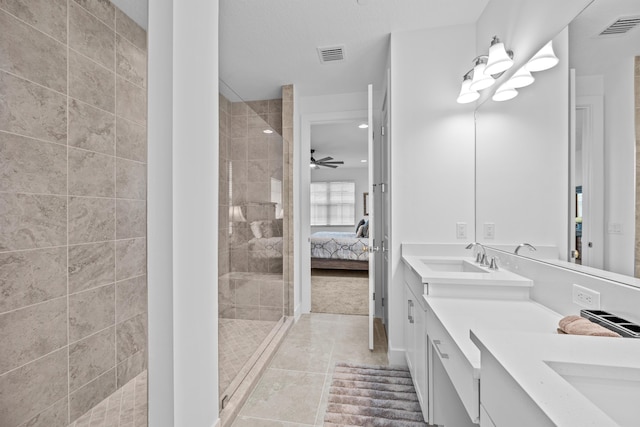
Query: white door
{"points": [[372, 235]]}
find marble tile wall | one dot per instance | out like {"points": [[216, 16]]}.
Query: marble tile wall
{"points": [[72, 207]]}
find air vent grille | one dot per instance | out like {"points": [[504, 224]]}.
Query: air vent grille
{"points": [[621, 26], [331, 54]]}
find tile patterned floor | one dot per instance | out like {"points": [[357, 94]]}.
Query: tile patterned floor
{"points": [[294, 389], [127, 407], [238, 339]]}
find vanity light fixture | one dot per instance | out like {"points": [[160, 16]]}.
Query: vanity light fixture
{"points": [[521, 78], [500, 59], [544, 59], [480, 79], [466, 94], [505, 92], [363, 125]]}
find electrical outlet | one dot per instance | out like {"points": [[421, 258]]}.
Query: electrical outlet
{"points": [[489, 230], [586, 297], [461, 230]]}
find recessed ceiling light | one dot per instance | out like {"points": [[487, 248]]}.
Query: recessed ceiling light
{"points": [[267, 131], [363, 125], [363, 161]]}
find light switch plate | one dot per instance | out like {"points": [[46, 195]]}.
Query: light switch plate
{"points": [[489, 230], [461, 230]]}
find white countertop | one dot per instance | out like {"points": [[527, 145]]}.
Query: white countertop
{"points": [[526, 359], [460, 315], [498, 277]]}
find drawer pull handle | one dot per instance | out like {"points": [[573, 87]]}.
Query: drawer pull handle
{"points": [[436, 344], [410, 311]]}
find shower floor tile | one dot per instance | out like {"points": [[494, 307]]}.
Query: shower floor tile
{"points": [[238, 339], [127, 407]]}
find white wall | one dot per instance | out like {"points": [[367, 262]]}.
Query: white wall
{"points": [[182, 222], [357, 175], [522, 161], [616, 84], [432, 149]]}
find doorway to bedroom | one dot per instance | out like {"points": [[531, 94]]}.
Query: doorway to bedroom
{"points": [[339, 219]]}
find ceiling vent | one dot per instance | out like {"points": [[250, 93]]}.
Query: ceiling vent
{"points": [[621, 26], [331, 54]]}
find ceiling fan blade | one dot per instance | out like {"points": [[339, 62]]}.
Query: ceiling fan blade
{"points": [[327, 166], [331, 163], [325, 159]]}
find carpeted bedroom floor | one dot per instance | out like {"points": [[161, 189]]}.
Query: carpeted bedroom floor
{"points": [[339, 291]]}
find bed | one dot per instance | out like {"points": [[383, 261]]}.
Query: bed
{"points": [[339, 250]]}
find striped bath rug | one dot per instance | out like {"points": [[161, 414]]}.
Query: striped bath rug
{"points": [[369, 395]]}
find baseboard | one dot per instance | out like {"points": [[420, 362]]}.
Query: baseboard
{"points": [[396, 357]]}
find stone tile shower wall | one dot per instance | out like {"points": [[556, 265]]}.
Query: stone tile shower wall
{"points": [[250, 283], [287, 193], [73, 321]]}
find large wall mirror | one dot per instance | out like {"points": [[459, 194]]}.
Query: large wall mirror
{"points": [[539, 182]]}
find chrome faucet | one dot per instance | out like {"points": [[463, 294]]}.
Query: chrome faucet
{"points": [[481, 257], [522, 245]]}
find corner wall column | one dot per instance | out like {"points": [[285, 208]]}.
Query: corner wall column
{"points": [[183, 213]]}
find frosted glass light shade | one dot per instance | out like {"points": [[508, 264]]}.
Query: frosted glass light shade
{"points": [[235, 214], [466, 94], [480, 79], [521, 78], [499, 59], [544, 59], [504, 93]]}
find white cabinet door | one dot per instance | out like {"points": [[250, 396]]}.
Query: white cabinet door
{"points": [[420, 355], [409, 329]]}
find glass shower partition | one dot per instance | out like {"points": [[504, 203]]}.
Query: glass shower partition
{"points": [[252, 294]]}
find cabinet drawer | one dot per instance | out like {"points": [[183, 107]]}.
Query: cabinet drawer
{"points": [[458, 368]]}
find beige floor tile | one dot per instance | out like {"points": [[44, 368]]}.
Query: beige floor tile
{"points": [[258, 422], [286, 396], [304, 354]]}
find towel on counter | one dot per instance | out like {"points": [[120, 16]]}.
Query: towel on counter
{"points": [[576, 325]]}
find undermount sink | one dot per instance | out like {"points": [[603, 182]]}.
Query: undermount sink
{"points": [[452, 266], [613, 389]]}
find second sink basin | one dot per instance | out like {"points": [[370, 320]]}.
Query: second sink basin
{"points": [[452, 266]]}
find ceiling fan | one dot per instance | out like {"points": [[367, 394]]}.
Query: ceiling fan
{"points": [[326, 162]]}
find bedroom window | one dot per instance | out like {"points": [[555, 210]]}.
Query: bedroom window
{"points": [[333, 203]]}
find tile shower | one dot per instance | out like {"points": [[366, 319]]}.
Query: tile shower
{"points": [[254, 216], [73, 288]]}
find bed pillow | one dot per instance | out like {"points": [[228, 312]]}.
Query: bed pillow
{"points": [[360, 231], [256, 229], [266, 227], [365, 229], [359, 225]]}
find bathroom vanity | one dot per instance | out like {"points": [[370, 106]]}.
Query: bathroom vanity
{"points": [[482, 352]]}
